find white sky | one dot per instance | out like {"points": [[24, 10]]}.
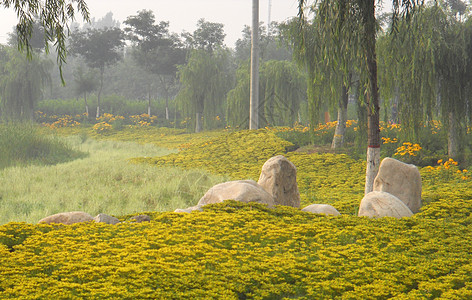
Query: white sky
{"points": [[182, 14]]}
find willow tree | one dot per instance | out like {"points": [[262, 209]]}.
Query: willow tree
{"points": [[339, 12], [331, 59], [282, 88], [237, 107], [454, 79], [53, 15], [21, 84], [205, 81], [428, 60]]}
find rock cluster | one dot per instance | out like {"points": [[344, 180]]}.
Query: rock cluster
{"points": [[69, 218], [397, 193]]}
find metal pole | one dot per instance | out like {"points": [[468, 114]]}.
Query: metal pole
{"points": [[254, 100]]}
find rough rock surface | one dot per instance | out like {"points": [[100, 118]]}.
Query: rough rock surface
{"points": [[382, 204], [321, 209], [104, 218], [67, 218], [189, 209], [240, 190], [401, 180], [279, 178]]}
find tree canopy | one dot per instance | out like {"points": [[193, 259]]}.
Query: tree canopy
{"points": [[53, 15]]}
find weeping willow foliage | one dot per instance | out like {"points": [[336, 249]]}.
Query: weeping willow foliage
{"points": [[407, 67], [205, 79], [426, 66], [282, 87], [237, 112], [21, 84]]}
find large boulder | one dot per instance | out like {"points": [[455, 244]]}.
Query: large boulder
{"points": [[382, 204], [240, 190], [67, 218], [401, 180], [321, 209], [279, 178]]}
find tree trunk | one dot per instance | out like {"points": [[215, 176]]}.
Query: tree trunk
{"points": [[338, 139], [254, 100], [149, 98], [102, 70], [86, 105], [198, 122], [452, 139], [373, 108]]}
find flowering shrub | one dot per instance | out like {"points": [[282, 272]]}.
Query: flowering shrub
{"points": [[102, 128], [143, 120], [109, 118]]}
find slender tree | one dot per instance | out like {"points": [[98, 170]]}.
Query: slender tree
{"points": [[156, 50], [100, 48], [84, 83]]}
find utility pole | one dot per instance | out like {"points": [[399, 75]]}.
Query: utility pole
{"points": [[269, 17], [254, 100]]}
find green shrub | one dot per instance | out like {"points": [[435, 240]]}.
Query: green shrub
{"points": [[22, 144]]}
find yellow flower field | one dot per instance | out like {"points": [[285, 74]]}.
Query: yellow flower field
{"points": [[248, 251]]}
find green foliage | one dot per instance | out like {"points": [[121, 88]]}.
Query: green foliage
{"points": [[21, 144], [53, 17], [282, 90], [205, 82], [113, 104], [21, 83]]}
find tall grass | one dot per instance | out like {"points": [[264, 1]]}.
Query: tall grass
{"points": [[22, 144], [103, 182]]}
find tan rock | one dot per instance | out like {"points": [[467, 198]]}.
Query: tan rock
{"points": [[104, 218], [382, 204], [240, 190], [401, 180], [141, 218], [321, 209], [67, 218], [279, 178], [189, 209]]}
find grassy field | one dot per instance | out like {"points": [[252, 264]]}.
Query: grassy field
{"points": [[102, 182]]}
